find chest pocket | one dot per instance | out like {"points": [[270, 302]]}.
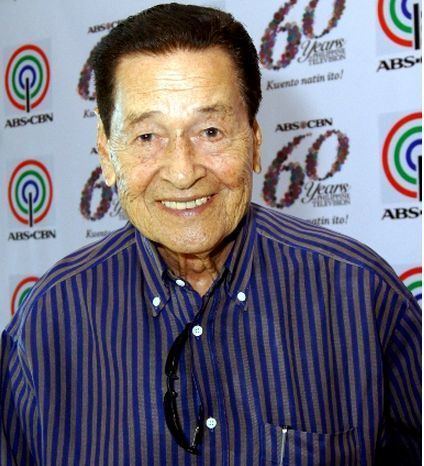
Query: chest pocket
{"points": [[286, 447]]}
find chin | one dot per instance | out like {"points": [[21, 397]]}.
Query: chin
{"points": [[190, 245]]}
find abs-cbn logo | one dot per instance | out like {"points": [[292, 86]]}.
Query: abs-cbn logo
{"points": [[30, 196], [20, 291], [401, 159], [103, 27], [400, 21], [399, 31], [304, 124], [27, 82], [401, 156], [412, 278], [303, 24]]}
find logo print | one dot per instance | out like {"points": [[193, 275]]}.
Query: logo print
{"points": [[400, 21], [94, 182], [27, 77], [30, 192], [86, 81], [413, 281], [294, 31], [21, 291], [298, 171], [402, 155]]}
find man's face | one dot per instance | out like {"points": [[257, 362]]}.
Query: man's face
{"points": [[181, 149]]}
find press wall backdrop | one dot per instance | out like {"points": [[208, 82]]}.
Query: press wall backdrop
{"points": [[340, 116]]}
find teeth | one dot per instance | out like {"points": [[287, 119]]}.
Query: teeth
{"points": [[185, 205]]}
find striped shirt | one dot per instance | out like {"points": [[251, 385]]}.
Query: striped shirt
{"points": [[309, 354]]}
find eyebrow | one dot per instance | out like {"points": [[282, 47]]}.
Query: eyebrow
{"points": [[134, 118], [217, 108]]}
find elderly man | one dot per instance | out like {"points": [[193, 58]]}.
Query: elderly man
{"points": [[208, 330]]}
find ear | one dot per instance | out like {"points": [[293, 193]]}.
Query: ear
{"points": [[257, 141], [104, 154]]}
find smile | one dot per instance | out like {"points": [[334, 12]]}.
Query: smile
{"points": [[186, 205]]}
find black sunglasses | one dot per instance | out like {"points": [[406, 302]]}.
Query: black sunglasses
{"points": [[169, 400]]}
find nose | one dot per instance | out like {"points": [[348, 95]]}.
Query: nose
{"points": [[181, 166]]}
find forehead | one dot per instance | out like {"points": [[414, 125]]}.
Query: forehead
{"points": [[182, 76]]}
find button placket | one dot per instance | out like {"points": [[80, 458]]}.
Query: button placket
{"points": [[215, 417], [220, 412]]}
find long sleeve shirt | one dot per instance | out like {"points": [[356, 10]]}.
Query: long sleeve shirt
{"points": [[306, 352]]}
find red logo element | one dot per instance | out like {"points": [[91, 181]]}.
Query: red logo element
{"points": [[21, 290]]}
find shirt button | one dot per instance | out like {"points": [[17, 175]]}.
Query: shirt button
{"points": [[197, 330], [180, 282], [241, 296], [211, 423], [156, 301]]}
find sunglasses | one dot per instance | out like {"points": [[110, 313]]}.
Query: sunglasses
{"points": [[169, 400]]}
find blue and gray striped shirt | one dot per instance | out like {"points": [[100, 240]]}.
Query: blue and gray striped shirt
{"points": [[307, 352]]}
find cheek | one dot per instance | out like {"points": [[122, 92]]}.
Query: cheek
{"points": [[233, 172], [137, 177]]}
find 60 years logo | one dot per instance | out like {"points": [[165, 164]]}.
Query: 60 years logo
{"points": [[86, 81], [30, 192], [309, 168], [99, 199], [27, 77], [313, 51], [95, 182], [400, 22], [85, 86], [21, 291], [401, 155]]}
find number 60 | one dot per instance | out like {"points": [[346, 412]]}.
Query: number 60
{"points": [[297, 172], [294, 34]]}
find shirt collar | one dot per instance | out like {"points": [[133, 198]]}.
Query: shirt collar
{"points": [[153, 268], [238, 264], [239, 261]]}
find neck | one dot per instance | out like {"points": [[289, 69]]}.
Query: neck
{"points": [[200, 270]]}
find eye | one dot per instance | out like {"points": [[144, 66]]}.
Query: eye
{"points": [[212, 133], [147, 137]]}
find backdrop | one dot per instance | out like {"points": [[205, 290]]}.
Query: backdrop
{"points": [[340, 116]]}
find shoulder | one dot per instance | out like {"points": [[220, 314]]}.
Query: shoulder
{"points": [[70, 269], [292, 232]]}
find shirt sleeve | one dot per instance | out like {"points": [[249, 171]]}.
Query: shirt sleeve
{"points": [[400, 442], [18, 408]]}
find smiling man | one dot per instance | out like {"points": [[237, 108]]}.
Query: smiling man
{"points": [[209, 330], [181, 149]]}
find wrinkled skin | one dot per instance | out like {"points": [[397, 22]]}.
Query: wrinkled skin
{"points": [[179, 132]]}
